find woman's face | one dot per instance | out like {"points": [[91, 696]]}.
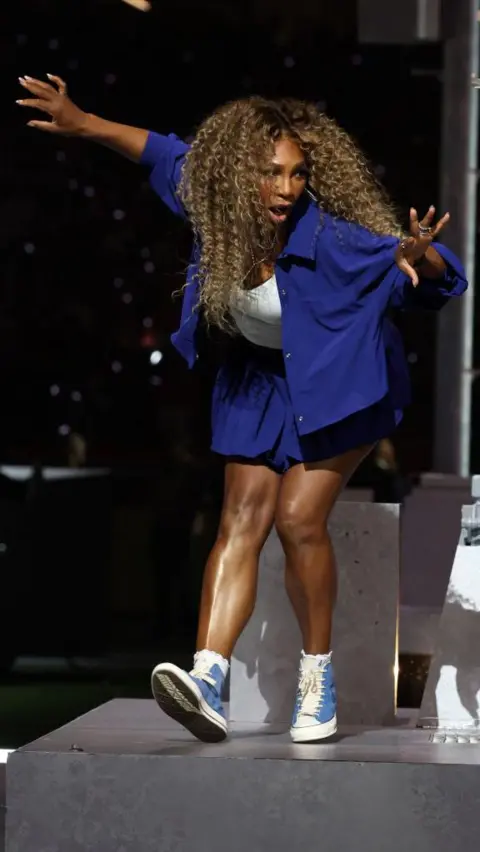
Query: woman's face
{"points": [[284, 181]]}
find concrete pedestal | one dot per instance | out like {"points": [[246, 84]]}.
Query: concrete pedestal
{"points": [[366, 538], [125, 778]]}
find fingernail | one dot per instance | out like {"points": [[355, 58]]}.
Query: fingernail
{"points": [[50, 76], [27, 77], [19, 102], [21, 80]]}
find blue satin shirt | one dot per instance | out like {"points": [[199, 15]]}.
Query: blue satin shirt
{"points": [[337, 282]]}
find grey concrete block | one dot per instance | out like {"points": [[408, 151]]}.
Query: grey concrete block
{"points": [[366, 538]]}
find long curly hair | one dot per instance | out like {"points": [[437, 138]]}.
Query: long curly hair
{"points": [[220, 180]]}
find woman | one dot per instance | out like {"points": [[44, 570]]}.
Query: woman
{"points": [[298, 257]]}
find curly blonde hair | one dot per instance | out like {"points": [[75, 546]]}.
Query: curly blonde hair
{"points": [[219, 189]]}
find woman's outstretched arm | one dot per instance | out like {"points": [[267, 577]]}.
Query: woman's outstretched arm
{"points": [[67, 119]]}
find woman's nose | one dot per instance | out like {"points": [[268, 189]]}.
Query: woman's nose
{"points": [[285, 187]]}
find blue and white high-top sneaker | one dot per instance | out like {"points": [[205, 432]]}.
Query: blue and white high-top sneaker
{"points": [[193, 698], [315, 713]]}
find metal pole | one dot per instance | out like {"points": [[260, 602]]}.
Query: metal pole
{"points": [[459, 170]]}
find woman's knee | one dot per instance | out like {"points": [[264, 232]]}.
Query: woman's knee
{"points": [[248, 509], [297, 524]]}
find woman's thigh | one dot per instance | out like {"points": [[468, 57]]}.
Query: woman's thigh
{"points": [[309, 491]]}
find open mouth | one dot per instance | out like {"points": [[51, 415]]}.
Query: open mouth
{"points": [[279, 212]]}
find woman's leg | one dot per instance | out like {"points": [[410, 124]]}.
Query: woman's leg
{"points": [[228, 598], [307, 496], [230, 580], [306, 499]]}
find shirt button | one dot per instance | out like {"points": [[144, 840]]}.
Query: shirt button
{"points": [[283, 292], [300, 418], [288, 354]]}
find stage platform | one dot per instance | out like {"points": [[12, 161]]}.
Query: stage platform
{"points": [[124, 778]]}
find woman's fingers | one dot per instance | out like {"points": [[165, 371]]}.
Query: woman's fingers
{"points": [[49, 126], [35, 103], [38, 88], [62, 86], [406, 267], [441, 224], [428, 218], [414, 223]]}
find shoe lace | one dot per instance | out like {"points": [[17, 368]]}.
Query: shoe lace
{"points": [[312, 691], [202, 670]]}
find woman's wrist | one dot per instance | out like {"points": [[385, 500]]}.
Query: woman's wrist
{"points": [[420, 261], [126, 140], [431, 264], [92, 127]]}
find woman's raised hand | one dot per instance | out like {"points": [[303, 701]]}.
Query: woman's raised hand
{"points": [[66, 119]]}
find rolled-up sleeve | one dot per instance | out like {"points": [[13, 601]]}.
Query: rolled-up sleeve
{"points": [[165, 155], [432, 293]]}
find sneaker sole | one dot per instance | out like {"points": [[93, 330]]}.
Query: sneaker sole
{"points": [[314, 733], [182, 700]]}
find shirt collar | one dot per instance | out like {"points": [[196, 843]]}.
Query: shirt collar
{"points": [[306, 223]]}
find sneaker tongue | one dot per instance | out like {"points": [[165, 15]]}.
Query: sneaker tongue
{"points": [[310, 665]]}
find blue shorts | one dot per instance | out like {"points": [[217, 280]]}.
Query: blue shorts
{"points": [[253, 419]]}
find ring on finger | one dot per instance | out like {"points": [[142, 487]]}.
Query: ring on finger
{"points": [[425, 232]]}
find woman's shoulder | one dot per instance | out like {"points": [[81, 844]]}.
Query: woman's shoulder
{"points": [[342, 235]]}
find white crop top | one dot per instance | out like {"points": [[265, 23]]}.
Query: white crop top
{"points": [[258, 314]]}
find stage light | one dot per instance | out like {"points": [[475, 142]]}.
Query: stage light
{"points": [[156, 357]]}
